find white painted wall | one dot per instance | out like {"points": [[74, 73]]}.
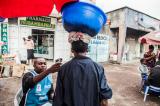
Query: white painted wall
{"points": [[16, 43], [99, 48], [62, 49], [13, 39]]}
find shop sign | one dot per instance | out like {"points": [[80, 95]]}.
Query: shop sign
{"points": [[4, 38], [99, 48], [38, 24], [38, 21]]}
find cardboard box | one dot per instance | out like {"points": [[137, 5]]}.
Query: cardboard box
{"points": [[18, 70], [6, 71]]}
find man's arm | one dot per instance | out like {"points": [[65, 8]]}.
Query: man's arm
{"points": [[105, 90], [58, 97], [54, 68], [32, 42], [152, 56], [104, 102], [51, 93], [29, 80]]}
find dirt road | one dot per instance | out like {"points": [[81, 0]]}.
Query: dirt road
{"points": [[124, 80]]}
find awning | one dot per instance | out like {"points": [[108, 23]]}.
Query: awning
{"points": [[25, 8], [151, 38]]}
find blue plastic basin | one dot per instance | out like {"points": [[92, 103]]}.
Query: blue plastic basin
{"points": [[83, 17]]}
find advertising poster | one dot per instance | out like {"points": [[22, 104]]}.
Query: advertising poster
{"points": [[4, 38], [99, 48]]}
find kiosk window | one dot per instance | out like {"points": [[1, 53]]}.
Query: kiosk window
{"points": [[43, 41]]}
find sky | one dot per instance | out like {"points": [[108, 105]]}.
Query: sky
{"points": [[150, 7]]}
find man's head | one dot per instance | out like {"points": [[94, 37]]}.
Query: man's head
{"points": [[29, 37], [39, 64], [143, 61], [79, 47], [151, 48]]}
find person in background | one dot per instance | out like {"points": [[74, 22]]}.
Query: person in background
{"points": [[81, 81], [154, 77], [144, 72], [150, 57], [37, 84], [30, 49], [158, 53]]}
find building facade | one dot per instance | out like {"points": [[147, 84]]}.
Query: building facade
{"points": [[42, 29], [50, 39], [126, 25]]}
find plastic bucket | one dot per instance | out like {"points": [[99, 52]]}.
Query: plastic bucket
{"points": [[83, 17]]}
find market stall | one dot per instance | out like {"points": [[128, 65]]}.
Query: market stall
{"points": [[152, 38], [9, 66]]}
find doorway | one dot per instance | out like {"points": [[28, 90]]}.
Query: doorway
{"points": [[44, 43]]}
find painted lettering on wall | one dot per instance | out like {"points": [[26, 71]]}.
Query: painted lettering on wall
{"points": [[4, 38], [99, 48], [38, 24]]}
